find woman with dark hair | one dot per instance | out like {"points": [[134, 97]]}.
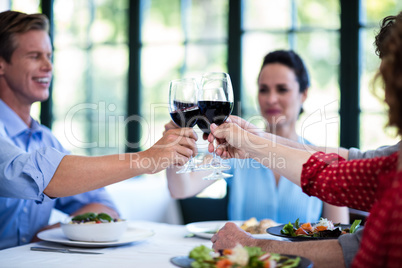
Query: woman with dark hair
{"points": [[256, 191]]}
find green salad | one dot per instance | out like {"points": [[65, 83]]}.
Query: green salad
{"points": [[240, 257], [324, 229], [93, 217]]}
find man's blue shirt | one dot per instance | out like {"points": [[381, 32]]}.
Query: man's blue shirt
{"points": [[29, 157]]}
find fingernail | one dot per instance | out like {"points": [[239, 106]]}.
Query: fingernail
{"points": [[213, 126]]}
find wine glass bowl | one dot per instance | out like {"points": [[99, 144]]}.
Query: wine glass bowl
{"points": [[215, 103], [183, 108], [215, 100]]}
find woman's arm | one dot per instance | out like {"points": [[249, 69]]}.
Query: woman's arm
{"points": [[284, 141], [323, 253], [351, 183], [186, 184], [239, 143], [335, 213]]}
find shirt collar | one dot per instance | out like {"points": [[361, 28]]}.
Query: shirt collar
{"points": [[13, 124]]}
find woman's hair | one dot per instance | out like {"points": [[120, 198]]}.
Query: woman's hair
{"points": [[13, 23], [385, 27], [391, 72], [290, 59]]}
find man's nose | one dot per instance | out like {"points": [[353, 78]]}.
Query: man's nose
{"points": [[47, 64]]}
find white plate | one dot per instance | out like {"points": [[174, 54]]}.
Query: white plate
{"points": [[131, 235], [206, 229]]}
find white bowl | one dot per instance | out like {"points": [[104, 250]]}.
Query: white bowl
{"points": [[94, 232]]}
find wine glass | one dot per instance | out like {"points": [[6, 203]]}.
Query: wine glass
{"points": [[183, 109], [215, 103]]}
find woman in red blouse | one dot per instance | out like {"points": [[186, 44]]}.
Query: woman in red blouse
{"points": [[373, 185]]}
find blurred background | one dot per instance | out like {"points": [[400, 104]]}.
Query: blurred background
{"points": [[113, 60]]}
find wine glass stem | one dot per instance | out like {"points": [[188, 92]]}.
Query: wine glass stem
{"points": [[215, 159], [191, 162]]}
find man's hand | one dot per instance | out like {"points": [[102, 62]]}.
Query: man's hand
{"points": [[169, 126], [174, 148], [47, 227], [229, 236]]}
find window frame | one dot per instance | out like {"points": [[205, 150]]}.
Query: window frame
{"points": [[350, 65]]}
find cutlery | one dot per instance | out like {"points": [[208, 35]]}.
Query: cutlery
{"points": [[189, 235], [63, 250]]}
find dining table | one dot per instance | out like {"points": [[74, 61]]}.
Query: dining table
{"points": [[166, 242]]}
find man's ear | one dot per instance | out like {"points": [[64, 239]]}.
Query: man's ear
{"points": [[2, 65], [304, 95]]}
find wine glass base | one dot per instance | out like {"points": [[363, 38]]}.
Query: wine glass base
{"points": [[189, 167], [188, 170], [217, 175], [214, 166]]}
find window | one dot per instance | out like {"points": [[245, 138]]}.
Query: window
{"points": [[185, 38], [270, 25], [179, 39], [90, 74], [374, 117]]}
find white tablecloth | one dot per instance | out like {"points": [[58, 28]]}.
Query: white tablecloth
{"points": [[156, 251]]}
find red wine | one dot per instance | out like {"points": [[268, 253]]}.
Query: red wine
{"points": [[179, 105], [186, 114], [213, 112]]}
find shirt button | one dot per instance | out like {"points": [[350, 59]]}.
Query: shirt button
{"points": [[23, 239], [25, 210]]}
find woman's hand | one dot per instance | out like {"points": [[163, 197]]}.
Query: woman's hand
{"points": [[233, 141], [246, 125]]}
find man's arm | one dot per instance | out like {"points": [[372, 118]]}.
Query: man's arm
{"points": [[48, 173], [78, 174]]}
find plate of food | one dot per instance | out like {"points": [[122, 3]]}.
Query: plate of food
{"points": [[206, 229], [129, 236], [93, 227], [324, 229], [239, 257], [94, 230]]}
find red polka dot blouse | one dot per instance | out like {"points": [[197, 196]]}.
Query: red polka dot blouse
{"points": [[366, 184]]}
